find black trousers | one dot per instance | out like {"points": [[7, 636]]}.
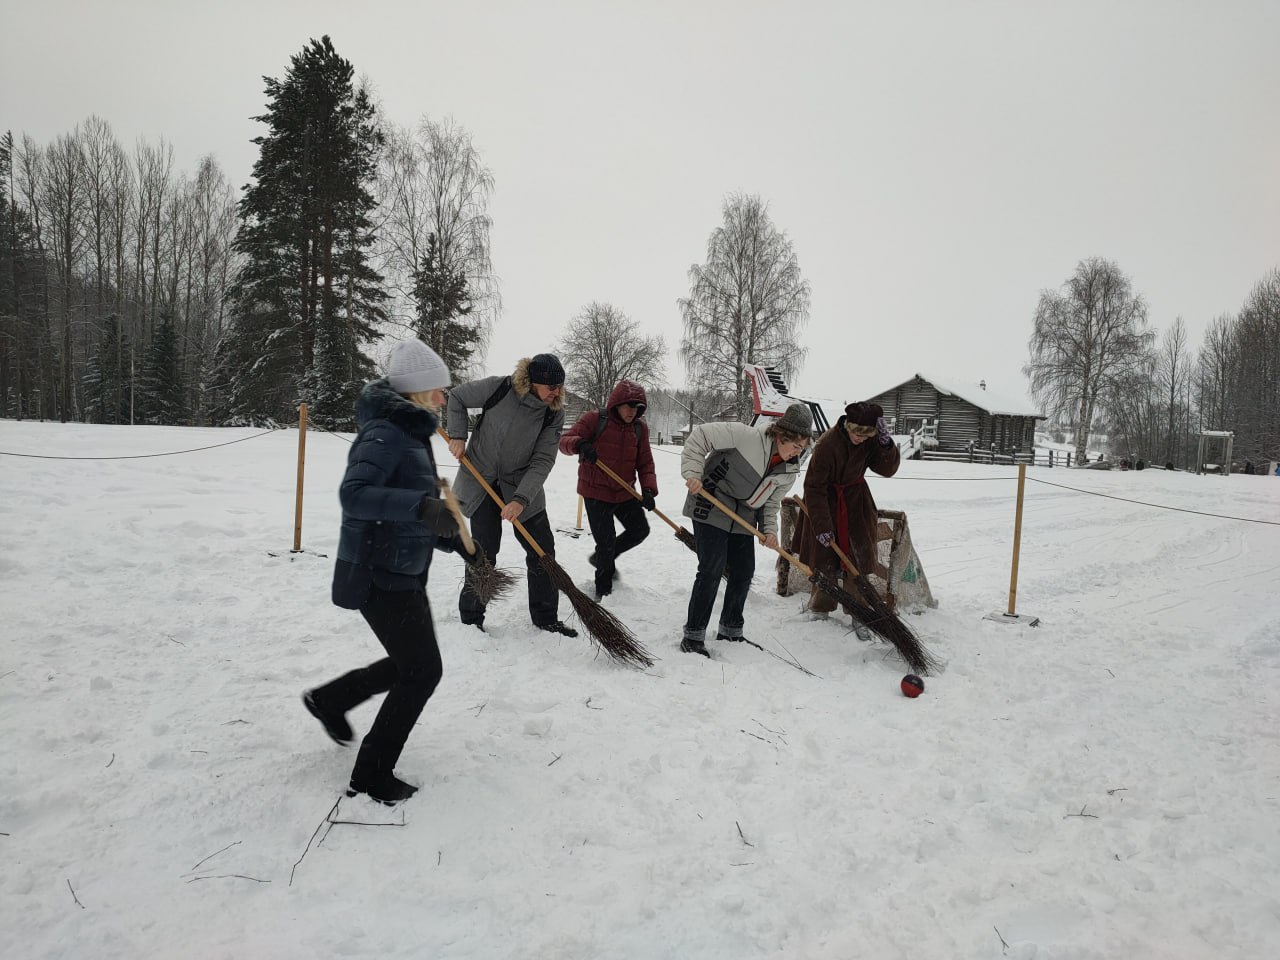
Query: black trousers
{"points": [[717, 550], [486, 529], [609, 546], [409, 674]]}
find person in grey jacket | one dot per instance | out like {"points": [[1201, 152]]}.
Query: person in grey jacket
{"points": [[514, 448], [749, 470]]}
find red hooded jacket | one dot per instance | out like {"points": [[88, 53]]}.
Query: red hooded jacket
{"points": [[623, 447]]}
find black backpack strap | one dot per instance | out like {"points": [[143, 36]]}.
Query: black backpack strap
{"points": [[604, 422], [494, 398], [601, 424]]}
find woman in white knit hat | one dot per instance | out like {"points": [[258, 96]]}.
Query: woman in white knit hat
{"points": [[392, 520]]}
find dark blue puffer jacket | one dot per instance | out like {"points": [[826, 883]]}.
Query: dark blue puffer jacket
{"points": [[389, 470]]}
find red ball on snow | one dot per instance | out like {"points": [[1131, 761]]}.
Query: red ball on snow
{"points": [[912, 686]]}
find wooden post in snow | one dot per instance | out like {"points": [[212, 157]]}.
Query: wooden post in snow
{"points": [[1011, 616], [302, 459]]}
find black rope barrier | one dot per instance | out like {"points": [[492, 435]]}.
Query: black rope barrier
{"points": [[1047, 483], [1157, 506], [137, 456]]}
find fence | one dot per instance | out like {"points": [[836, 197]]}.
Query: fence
{"points": [[1032, 458]]}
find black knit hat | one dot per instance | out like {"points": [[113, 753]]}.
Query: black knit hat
{"points": [[864, 413], [545, 369]]}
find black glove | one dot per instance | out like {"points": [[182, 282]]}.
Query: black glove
{"points": [[587, 452], [647, 498], [433, 512], [472, 559]]}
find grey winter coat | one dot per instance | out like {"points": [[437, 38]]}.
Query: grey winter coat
{"points": [[515, 446], [732, 461]]}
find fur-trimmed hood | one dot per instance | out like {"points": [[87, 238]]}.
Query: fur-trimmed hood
{"points": [[377, 401], [520, 384]]}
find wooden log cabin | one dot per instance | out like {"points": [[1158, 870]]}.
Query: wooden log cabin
{"points": [[962, 414]]}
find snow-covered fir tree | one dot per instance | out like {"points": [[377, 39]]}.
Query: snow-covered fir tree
{"points": [[444, 320], [161, 390], [107, 381], [305, 299]]}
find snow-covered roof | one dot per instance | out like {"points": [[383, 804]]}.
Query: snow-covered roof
{"points": [[996, 402]]}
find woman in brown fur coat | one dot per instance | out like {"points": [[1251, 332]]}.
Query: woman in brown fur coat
{"points": [[840, 506]]}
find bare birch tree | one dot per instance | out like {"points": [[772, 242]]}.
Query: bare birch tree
{"points": [[1086, 339], [432, 183], [1213, 372], [213, 225], [152, 168], [64, 198], [601, 346], [1254, 387], [747, 303], [1173, 370], [99, 149]]}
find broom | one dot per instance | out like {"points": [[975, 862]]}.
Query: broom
{"points": [[885, 622], [877, 616], [683, 535], [610, 633], [483, 579]]}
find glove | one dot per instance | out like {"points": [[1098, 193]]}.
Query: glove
{"points": [[433, 512], [826, 538], [472, 559], [587, 452], [647, 498], [882, 433]]}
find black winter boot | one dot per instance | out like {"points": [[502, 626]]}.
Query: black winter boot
{"points": [[728, 639], [695, 646], [385, 788], [558, 626], [335, 724]]}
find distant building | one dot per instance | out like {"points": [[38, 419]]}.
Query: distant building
{"points": [[962, 415]]}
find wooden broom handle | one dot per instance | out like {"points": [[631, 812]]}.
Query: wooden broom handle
{"points": [[794, 561], [631, 490], [844, 558], [496, 499], [451, 501]]}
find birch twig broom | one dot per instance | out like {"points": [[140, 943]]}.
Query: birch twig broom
{"points": [[610, 633], [871, 611]]}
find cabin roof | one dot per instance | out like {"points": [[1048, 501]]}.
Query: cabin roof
{"points": [[992, 401]]}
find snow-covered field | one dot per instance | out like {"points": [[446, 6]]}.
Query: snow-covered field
{"points": [[1106, 785]]}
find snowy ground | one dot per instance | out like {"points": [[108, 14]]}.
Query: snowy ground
{"points": [[1107, 785]]}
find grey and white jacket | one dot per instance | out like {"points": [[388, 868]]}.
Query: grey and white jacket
{"points": [[732, 461], [515, 446]]}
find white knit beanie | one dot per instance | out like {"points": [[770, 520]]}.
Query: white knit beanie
{"points": [[415, 368]]}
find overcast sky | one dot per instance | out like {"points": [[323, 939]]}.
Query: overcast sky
{"points": [[935, 165]]}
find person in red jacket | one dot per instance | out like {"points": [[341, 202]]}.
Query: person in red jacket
{"points": [[619, 438]]}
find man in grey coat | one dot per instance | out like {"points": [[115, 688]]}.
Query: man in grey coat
{"points": [[514, 448]]}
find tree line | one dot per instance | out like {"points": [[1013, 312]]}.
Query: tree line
{"points": [[1099, 367], [134, 293]]}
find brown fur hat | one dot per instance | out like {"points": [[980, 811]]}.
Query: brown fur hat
{"points": [[864, 413]]}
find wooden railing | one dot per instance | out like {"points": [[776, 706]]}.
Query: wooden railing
{"points": [[975, 454]]}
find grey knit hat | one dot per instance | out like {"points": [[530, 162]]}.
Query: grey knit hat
{"points": [[415, 368], [798, 420]]}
